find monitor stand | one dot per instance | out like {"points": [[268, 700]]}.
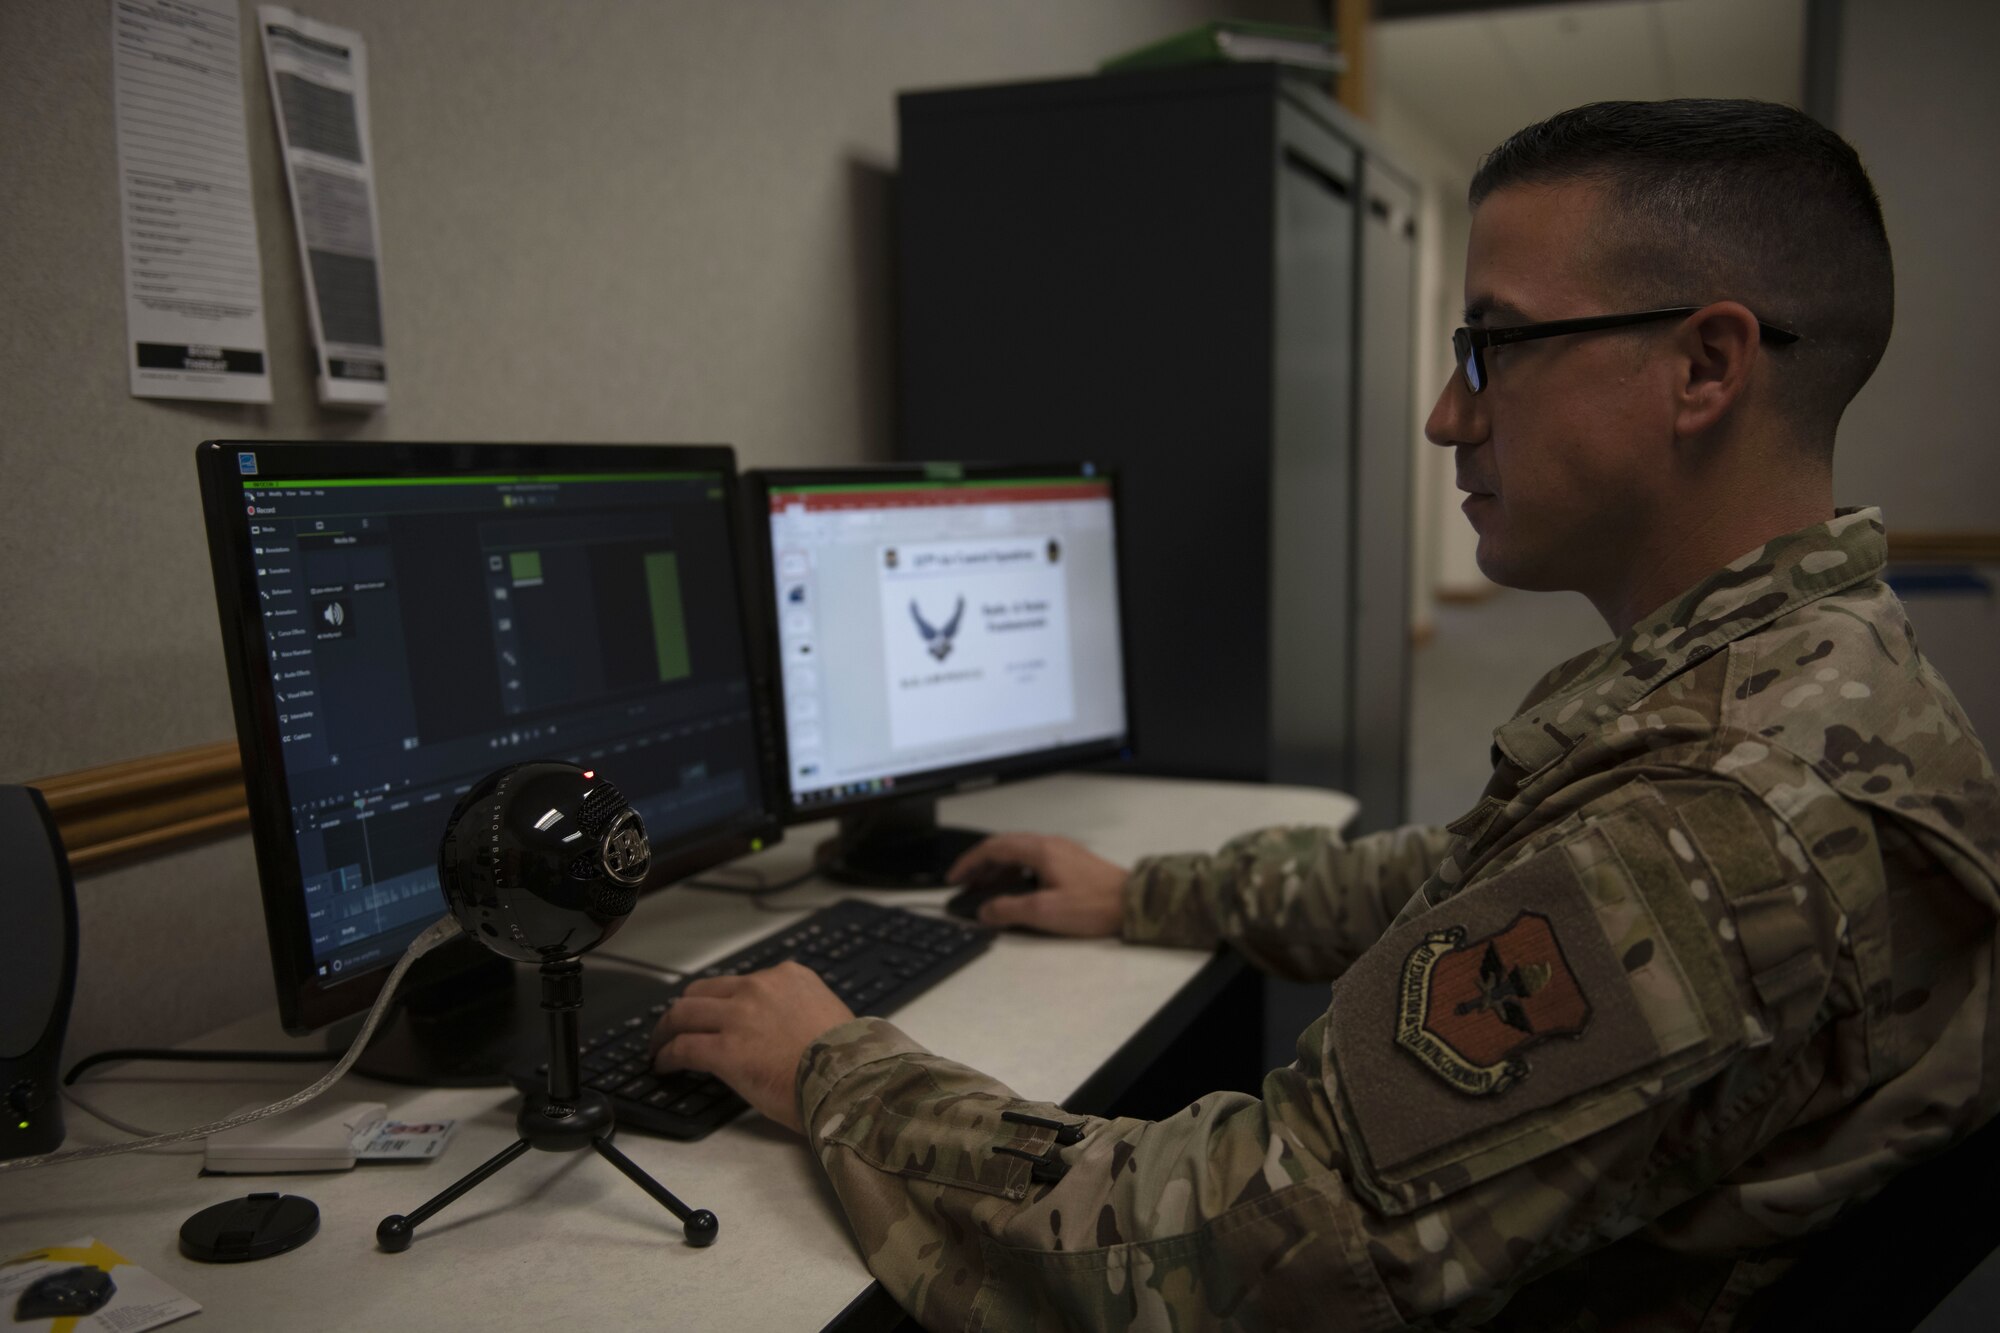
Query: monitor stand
{"points": [[897, 845], [466, 1018]]}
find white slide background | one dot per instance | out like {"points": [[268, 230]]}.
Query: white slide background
{"points": [[1008, 667]]}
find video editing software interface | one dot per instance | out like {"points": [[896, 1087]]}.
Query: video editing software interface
{"points": [[926, 625], [423, 631]]}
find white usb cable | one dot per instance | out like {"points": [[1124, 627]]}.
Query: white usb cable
{"points": [[433, 935]]}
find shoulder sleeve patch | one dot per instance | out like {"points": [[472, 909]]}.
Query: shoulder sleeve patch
{"points": [[1526, 1011], [1469, 1008]]}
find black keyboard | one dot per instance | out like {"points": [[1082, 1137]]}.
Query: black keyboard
{"points": [[874, 958]]}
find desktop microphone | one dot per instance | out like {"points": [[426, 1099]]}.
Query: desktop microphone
{"points": [[543, 861], [540, 863]]}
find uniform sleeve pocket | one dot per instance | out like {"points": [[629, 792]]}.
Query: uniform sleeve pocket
{"points": [[945, 1150]]}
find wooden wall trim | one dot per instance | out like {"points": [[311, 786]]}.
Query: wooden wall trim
{"points": [[142, 807], [1958, 548], [1354, 88]]}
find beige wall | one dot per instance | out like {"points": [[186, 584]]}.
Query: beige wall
{"points": [[1919, 101], [613, 220], [1442, 542]]}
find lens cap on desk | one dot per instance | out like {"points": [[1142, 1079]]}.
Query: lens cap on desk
{"points": [[256, 1227]]}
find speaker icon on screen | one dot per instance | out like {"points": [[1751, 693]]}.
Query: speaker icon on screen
{"points": [[333, 618]]}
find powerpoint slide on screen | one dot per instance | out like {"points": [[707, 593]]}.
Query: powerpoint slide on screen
{"points": [[975, 637]]}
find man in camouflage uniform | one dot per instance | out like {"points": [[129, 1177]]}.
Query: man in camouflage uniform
{"points": [[1710, 961]]}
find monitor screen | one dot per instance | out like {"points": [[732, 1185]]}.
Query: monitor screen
{"points": [[403, 620], [930, 629]]}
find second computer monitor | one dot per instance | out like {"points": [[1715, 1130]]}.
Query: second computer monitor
{"points": [[936, 629]]}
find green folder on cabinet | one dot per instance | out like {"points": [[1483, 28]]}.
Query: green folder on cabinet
{"points": [[1228, 41]]}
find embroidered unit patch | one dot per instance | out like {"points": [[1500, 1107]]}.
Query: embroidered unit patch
{"points": [[1467, 1011]]}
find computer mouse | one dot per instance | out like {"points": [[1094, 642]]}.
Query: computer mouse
{"points": [[65, 1293], [996, 879]]}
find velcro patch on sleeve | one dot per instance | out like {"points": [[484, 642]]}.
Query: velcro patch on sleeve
{"points": [[1462, 1028], [1744, 861]]}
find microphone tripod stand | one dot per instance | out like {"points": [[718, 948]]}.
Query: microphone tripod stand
{"points": [[565, 1119]]}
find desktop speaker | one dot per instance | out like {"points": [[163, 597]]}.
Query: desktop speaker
{"points": [[37, 972]]}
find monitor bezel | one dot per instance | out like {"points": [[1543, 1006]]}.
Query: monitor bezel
{"points": [[305, 1001], [932, 783]]}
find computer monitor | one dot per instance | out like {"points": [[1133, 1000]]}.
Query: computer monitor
{"points": [[936, 628], [402, 619]]}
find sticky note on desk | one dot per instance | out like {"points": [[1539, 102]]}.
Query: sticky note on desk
{"points": [[404, 1140]]}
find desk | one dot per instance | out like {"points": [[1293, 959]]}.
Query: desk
{"points": [[554, 1238]]}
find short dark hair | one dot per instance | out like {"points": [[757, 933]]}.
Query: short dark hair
{"points": [[1732, 200]]}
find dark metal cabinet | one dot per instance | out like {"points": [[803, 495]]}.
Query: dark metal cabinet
{"points": [[1203, 278]]}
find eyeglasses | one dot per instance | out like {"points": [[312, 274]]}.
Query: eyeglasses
{"points": [[1470, 344]]}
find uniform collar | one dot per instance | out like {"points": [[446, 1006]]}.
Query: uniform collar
{"points": [[1753, 590]]}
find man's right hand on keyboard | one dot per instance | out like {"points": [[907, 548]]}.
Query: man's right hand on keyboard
{"points": [[751, 1032], [1082, 893]]}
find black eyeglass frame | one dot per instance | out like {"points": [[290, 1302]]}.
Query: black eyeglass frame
{"points": [[1470, 345]]}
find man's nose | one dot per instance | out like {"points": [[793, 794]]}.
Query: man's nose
{"points": [[1457, 417]]}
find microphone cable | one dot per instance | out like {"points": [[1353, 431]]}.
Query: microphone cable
{"points": [[433, 935]]}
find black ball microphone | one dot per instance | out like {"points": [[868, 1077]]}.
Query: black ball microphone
{"points": [[541, 863]]}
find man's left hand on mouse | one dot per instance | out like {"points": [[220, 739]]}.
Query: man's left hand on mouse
{"points": [[1082, 894]]}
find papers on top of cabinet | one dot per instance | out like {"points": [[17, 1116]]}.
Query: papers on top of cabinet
{"points": [[194, 294], [319, 91]]}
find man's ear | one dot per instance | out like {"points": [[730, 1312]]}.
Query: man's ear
{"points": [[1719, 344]]}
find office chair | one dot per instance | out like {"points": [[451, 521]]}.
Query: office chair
{"points": [[1888, 1265]]}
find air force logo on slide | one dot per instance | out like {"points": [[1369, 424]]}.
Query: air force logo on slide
{"points": [[975, 638], [938, 638]]}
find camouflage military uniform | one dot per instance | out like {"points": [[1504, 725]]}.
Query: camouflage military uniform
{"points": [[1713, 958]]}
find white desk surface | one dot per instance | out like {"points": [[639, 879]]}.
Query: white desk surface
{"points": [[564, 1236]]}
